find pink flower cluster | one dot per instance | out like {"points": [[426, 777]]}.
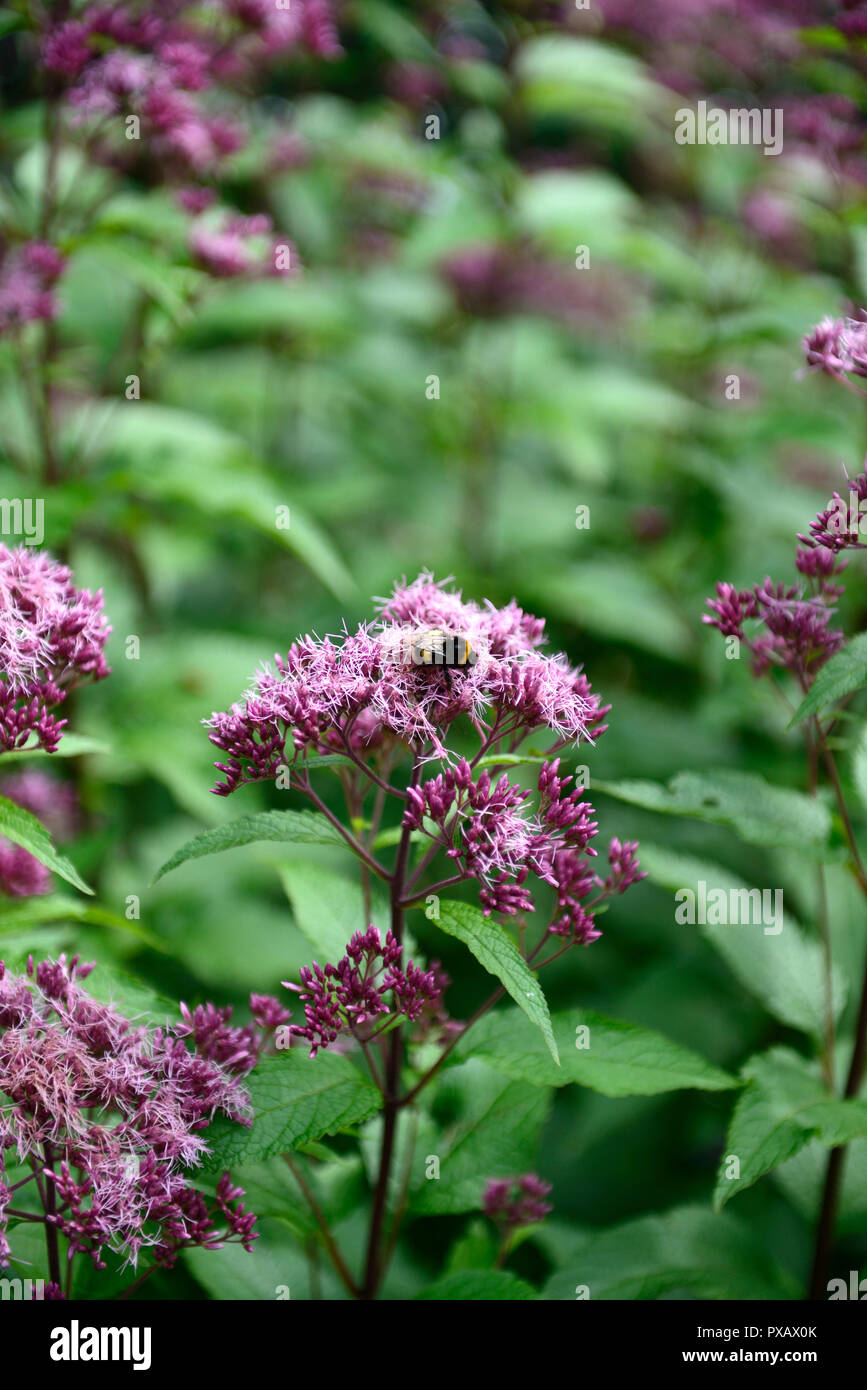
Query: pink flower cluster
{"points": [[513, 1202], [838, 347], [163, 64], [488, 832], [366, 986], [231, 246], [110, 1115], [362, 692], [52, 637], [28, 277], [795, 621]]}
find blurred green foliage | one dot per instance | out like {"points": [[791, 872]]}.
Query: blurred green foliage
{"points": [[556, 389]]}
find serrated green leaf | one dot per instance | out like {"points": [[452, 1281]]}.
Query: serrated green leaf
{"points": [[759, 812], [619, 1059], [70, 746], [285, 827], [845, 672], [329, 906], [688, 1252], [783, 1108], [495, 950], [25, 830], [295, 1098], [496, 1134], [36, 912], [784, 971]]}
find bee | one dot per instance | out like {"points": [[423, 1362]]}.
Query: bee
{"points": [[449, 651]]}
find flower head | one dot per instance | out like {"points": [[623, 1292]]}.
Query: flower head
{"points": [[52, 637], [114, 1113], [367, 985], [28, 277], [513, 1202], [365, 688]]}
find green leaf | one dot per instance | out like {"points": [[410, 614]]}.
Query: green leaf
{"points": [[496, 1134], [10, 21], [278, 1263], [783, 1108], [130, 997], [176, 456], [688, 1252], [584, 79], [785, 972], [512, 759], [859, 766], [286, 827], [845, 672], [495, 950], [479, 1286], [272, 1190], [296, 1098], [19, 914], [25, 830], [761, 813], [619, 1059], [328, 904], [70, 746], [618, 600]]}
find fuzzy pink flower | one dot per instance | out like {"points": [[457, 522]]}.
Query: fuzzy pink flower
{"points": [[114, 1114], [52, 637], [324, 691]]}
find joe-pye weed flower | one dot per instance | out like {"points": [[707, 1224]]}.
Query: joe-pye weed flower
{"points": [[366, 702]]}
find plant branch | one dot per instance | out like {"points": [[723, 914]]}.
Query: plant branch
{"points": [[319, 1217], [355, 845], [375, 1264]]}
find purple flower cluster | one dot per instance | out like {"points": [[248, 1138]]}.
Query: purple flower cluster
{"points": [[52, 637], [363, 693], [489, 833], [513, 1202], [28, 276], [795, 621], [365, 992], [234, 246], [164, 64], [489, 280], [838, 347], [368, 696], [56, 806], [110, 1115], [794, 632], [692, 42]]}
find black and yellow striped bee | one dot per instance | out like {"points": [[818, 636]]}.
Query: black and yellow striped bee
{"points": [[450, 651]]}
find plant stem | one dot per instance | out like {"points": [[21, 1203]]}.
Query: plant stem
{"points": [[432, 1071], [136, 1282], [822, 896], [319, 1217], [375, 1265], [837, 1157], [355, 845], [836, 1161], [51, 1238]]}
